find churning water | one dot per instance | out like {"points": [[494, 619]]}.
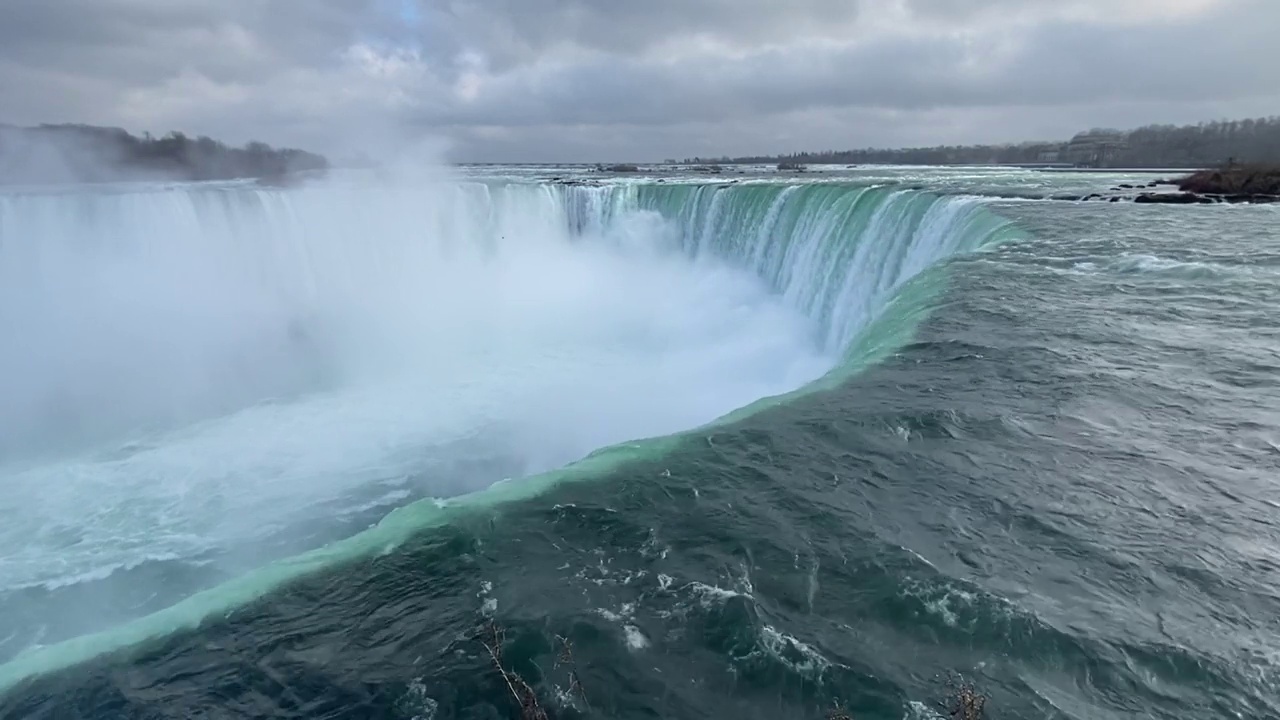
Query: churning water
{"points": [[757, 448]]}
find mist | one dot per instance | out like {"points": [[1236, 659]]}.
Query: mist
{"points": [[77, 154], [223, 375]]}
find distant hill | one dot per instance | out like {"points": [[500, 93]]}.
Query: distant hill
{"points": [[1154, 146], [87, 153]]}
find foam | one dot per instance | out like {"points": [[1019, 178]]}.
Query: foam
{"points": [[392, 285]]}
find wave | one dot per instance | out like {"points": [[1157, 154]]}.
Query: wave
{"points": [[1137, 264], [246, 336], [1150, 264]]}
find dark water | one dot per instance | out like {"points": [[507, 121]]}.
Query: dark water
{"points": [[1063, 489]]}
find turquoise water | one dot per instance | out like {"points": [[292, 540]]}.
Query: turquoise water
{"points": [[1018, 426]]}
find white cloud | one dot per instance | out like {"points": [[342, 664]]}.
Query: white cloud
{"points": [[598, 79]]}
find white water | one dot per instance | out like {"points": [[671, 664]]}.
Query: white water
{"points": [[189, 373], [235, 382]]}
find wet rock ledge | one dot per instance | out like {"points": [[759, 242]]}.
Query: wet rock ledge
{"points": [[1230, 184]]}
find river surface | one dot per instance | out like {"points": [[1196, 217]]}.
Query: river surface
{"points": [[758, 446]]}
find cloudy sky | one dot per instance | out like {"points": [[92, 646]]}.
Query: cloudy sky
{"points": [[588, 80]]}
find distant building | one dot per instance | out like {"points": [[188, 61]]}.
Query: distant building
{"points": [[1096, 148]]}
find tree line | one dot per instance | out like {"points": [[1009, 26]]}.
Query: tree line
{"points": [[1207, 144], [87, 153]]}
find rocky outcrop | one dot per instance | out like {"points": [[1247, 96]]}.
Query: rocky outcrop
{"points": [[1250, 180], [1181, 198], [1233, 184]]}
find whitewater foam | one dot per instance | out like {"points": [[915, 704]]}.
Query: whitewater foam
{"points": [[452, 335], [467, 338]]}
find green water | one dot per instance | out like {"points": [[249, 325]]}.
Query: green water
{"points": [[1044, 463]]}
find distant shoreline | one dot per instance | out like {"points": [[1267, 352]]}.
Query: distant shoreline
{"points": [[86, 154], [662, 166], [1151, 147]]}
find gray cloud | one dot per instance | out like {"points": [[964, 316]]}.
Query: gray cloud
{"points": [[597, 79]]}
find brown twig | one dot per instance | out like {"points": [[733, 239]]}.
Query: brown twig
{"points": [[964, 702], [838, 713], [566, 658], [524, 695]]}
